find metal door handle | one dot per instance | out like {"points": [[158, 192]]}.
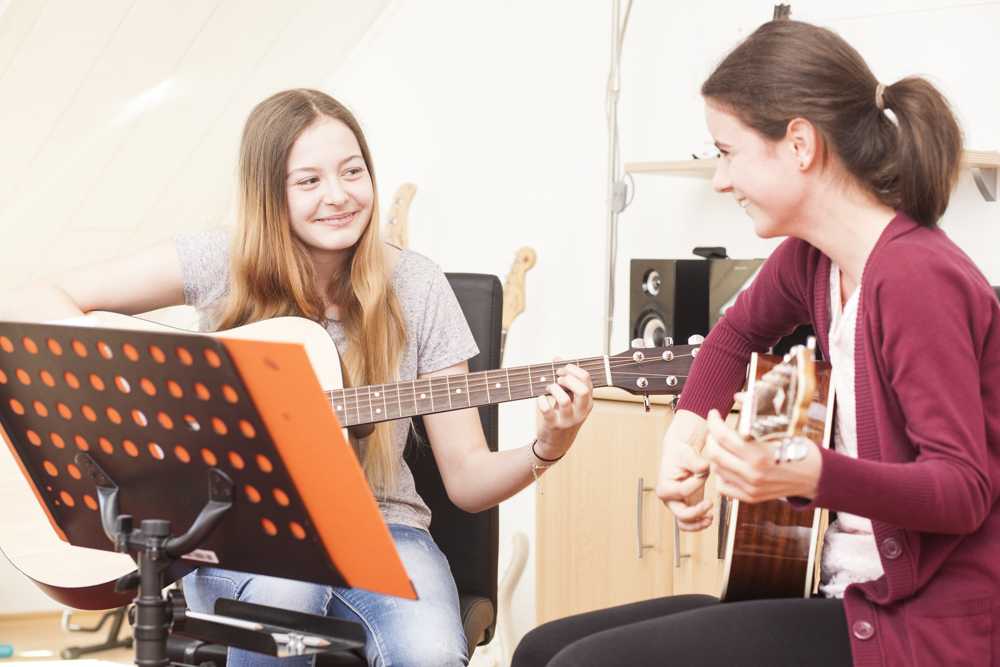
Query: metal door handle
{"points": [[639, 543], [677, 544]]}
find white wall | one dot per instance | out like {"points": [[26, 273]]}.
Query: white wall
{"points": [[496, 111]]}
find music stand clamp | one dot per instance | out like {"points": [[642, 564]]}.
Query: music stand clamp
{"points": [[157, 549], [139, 419]]}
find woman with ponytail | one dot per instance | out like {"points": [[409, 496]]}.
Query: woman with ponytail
{"points": [[857, 174], [306, 243]]}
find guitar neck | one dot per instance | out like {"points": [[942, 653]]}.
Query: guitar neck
{"points": [[383, 402]]}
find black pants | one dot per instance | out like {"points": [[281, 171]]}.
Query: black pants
{"points": [[695, 630]]}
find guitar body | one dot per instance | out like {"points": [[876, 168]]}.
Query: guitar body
{"points": [[770, 550], [84, 578]]}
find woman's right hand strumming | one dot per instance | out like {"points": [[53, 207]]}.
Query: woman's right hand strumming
{"points": [[683, 472]]}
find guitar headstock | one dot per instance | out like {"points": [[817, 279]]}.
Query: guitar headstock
{"points": [[778, 394], [513, 286], [394, 229], [652, 370]]}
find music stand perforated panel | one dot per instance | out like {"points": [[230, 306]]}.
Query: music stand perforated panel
{"points": [[155, 411]]}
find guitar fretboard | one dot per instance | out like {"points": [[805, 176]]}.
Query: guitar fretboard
{"points": [[382, 402]]}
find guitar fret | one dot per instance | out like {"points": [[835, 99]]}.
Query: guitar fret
{"points": [[439, 394], [423, 398], [520, 386], [337, 402], [541, 380], [357, 413], [435, 392], [479, 389]]}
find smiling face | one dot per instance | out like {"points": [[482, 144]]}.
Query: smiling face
{"points": [[763, 175], [329, 189]]}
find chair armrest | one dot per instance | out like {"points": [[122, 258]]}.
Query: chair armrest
{"points": [[477, 619]]}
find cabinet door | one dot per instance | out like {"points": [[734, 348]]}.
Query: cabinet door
{"points": [[700, 567], [587, 524]]}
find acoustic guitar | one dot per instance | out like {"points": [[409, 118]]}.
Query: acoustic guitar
{"points": [[84, 578], [394, 229], [769, 549], [513, 291]]}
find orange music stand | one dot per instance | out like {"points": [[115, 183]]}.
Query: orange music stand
{"points": [[229, 440]]}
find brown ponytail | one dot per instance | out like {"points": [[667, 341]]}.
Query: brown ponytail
{"points": [[789, 69]]}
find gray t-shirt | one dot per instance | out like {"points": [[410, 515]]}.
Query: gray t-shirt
{"points": [[438, 336]]}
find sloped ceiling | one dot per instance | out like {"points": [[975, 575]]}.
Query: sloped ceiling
{"points": [[120, 119]]}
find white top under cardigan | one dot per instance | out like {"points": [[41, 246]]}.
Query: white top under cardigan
{"points": [[850, 554]]}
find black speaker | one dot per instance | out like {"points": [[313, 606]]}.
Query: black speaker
{"points": [[680, 298]]}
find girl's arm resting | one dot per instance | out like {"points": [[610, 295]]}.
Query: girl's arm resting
{"points": [[141, 281], [476, 478]]}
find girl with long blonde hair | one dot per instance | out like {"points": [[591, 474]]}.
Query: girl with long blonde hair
{"points": [[306, 243]]}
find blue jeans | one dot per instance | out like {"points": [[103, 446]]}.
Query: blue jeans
{"points": [[427, 631]]}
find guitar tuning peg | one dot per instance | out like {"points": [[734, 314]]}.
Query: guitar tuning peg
{"points": [[645, 401], [696, 339], [638, 343]]}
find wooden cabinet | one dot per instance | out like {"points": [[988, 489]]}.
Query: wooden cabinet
{"points": [[588, 519]]}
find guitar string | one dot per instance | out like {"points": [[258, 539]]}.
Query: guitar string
{"points": [[393, 389], [354, 405]]}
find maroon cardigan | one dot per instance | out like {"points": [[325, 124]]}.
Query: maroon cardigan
{"points": [[927, 360]]}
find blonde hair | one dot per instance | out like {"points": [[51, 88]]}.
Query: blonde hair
{"points": [[271, 273]]}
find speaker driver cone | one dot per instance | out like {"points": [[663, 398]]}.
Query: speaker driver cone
{"points": [[651, 328]]}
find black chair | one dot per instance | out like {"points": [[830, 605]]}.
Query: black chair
{"points": [[469, 541]]}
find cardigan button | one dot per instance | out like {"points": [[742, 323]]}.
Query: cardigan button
{"points": [[892, 549], [863, 630]]}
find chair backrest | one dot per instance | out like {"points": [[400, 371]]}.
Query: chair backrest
{"points": [[469, 541]]}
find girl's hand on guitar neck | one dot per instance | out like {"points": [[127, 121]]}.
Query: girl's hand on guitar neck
{"points": [[746, 470], [572, 397]]}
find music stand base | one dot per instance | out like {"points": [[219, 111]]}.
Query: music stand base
{"points": [[117, 618]]}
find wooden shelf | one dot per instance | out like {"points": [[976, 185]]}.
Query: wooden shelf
{"points": [[691, 168], [706, 168], [980, 160]]}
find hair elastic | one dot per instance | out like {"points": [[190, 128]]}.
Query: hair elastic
{"points": [[879, 102]]}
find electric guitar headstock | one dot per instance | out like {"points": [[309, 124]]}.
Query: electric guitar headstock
{"points": [[394, 229], [513, 286], [776, 404]]}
